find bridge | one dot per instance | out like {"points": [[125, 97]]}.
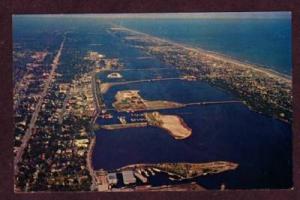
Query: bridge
{"points": [[97, 103], [213, 102], [143, 69], [106, 86], [201, 103]]}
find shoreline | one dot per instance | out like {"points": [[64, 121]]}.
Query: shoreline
{"points": [[177, 138], [179, 132], [184, 125], [282, 83], [186, 168], [92, 135], [216, 55], [89, 157]]}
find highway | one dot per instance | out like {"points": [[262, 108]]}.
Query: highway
{"points": [[30, 130], [95, 93], [93, 138]]}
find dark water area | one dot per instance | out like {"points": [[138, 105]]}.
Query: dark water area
{"points": [[172, 90], [132, 74], [261, 145]]}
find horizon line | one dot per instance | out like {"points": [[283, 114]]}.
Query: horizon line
{"points": [[183, 15]]}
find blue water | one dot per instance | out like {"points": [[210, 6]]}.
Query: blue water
{"points": [[261, 145], [262, 41]]}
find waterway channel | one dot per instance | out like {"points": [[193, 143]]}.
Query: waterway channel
{"points": [[260, 145]]}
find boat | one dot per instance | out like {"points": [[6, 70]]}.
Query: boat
{"points": [[122, 119], [156, 170]]}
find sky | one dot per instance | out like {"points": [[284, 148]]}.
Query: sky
{"points": [[210, 15]]}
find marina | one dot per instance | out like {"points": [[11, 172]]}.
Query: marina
{"points": [[189, 95]]}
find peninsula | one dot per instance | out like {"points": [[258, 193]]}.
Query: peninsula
{"points": [[262, 90], [130, 100], [187, 170], [172, 123]]}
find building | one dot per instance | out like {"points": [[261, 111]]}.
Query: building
{"points": [[101, 180], [112, 178], [128, 177], [63, 87], [114, 75], [82, 143]]}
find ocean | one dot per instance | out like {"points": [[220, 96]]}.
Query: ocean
{"points": [[265, 42], [261, 145]]}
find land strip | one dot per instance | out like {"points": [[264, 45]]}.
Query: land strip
{"points": [[130, 100], [188, 170], [263, 90]]}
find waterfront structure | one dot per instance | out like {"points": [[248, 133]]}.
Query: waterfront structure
{"points": [[112, 178], [101, 180], [114, 75], [128, 177]]}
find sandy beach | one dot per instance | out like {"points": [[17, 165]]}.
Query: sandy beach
{"points": [[172, 123]]}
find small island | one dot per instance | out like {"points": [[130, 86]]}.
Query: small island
{"points": [[172, 123]]}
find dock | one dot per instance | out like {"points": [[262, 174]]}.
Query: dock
{"points": [[122, 126]]}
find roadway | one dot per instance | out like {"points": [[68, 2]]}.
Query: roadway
{"points": [[139, 69], [97, 104], [145, 80], [201, 103], [30, 130], [213, 102], [95, 92], [106, 86]]}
